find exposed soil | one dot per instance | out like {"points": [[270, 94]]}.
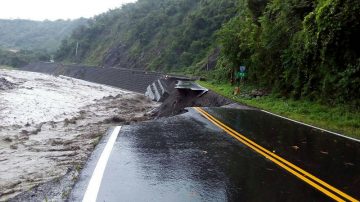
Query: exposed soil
{"points": [[178, 100], [50, 125]]}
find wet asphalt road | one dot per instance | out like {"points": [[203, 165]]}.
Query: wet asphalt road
{"points": [[187, 158]]}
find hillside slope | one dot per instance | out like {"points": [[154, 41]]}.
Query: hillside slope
{"points": [[299, 49], [36, 35], [150, 34]]}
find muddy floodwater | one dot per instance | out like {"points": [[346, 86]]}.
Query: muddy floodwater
{"points": [[49, 126]]}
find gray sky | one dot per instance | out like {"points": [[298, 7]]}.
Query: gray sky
{"points": [[56, 9]]}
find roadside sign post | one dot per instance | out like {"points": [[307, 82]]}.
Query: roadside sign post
{"points": [[242, 72], [240, 75], [242, 69]]}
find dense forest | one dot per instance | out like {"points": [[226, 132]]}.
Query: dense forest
{"points": [[36, 35], [301, 48], [297, 48]]}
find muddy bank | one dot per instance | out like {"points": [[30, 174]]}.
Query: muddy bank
{"points": [[49, 126]]}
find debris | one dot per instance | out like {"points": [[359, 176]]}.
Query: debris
{"points": [[180, 98], [324, 152], [258, 93], [13, 146], [348, 164], [5, 84], [295, 147]]}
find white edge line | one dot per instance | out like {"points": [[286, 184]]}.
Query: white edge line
{"points": [[338, 134], [96, 178]]}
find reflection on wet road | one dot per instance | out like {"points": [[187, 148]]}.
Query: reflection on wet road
{"points": [[187, 158], [331, 158]]}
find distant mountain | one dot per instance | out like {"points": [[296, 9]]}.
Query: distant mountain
{"points": [[36, 35]]}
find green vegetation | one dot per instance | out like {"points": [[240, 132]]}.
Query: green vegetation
{"points": [[306, 53], [21, 58], [301, 49], [36, 35], [150, 34], [338, 119]]}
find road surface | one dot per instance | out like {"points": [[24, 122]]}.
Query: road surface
{"points": [[218, 154]]}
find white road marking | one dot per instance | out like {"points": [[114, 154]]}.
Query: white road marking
{"points": [[95, 181], [312, 126]]}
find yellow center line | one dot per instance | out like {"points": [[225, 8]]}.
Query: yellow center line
{"points": [[282, 160], [279, 161]]}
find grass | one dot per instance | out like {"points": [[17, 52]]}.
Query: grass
{"points": [[341, 119]]}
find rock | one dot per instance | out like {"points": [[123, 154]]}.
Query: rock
{"points": [[5, 84], [258, 93], [13, 146]]}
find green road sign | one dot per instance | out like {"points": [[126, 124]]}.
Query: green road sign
{"points": [[240, 75]]}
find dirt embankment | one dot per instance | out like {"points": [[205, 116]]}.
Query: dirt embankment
{"points": [[179, 99], [50, 125]]}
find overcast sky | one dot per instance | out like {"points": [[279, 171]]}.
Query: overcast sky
{"points": [[56, 9]]}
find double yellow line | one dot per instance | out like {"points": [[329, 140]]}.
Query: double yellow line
{"points": [[310, 179]]}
